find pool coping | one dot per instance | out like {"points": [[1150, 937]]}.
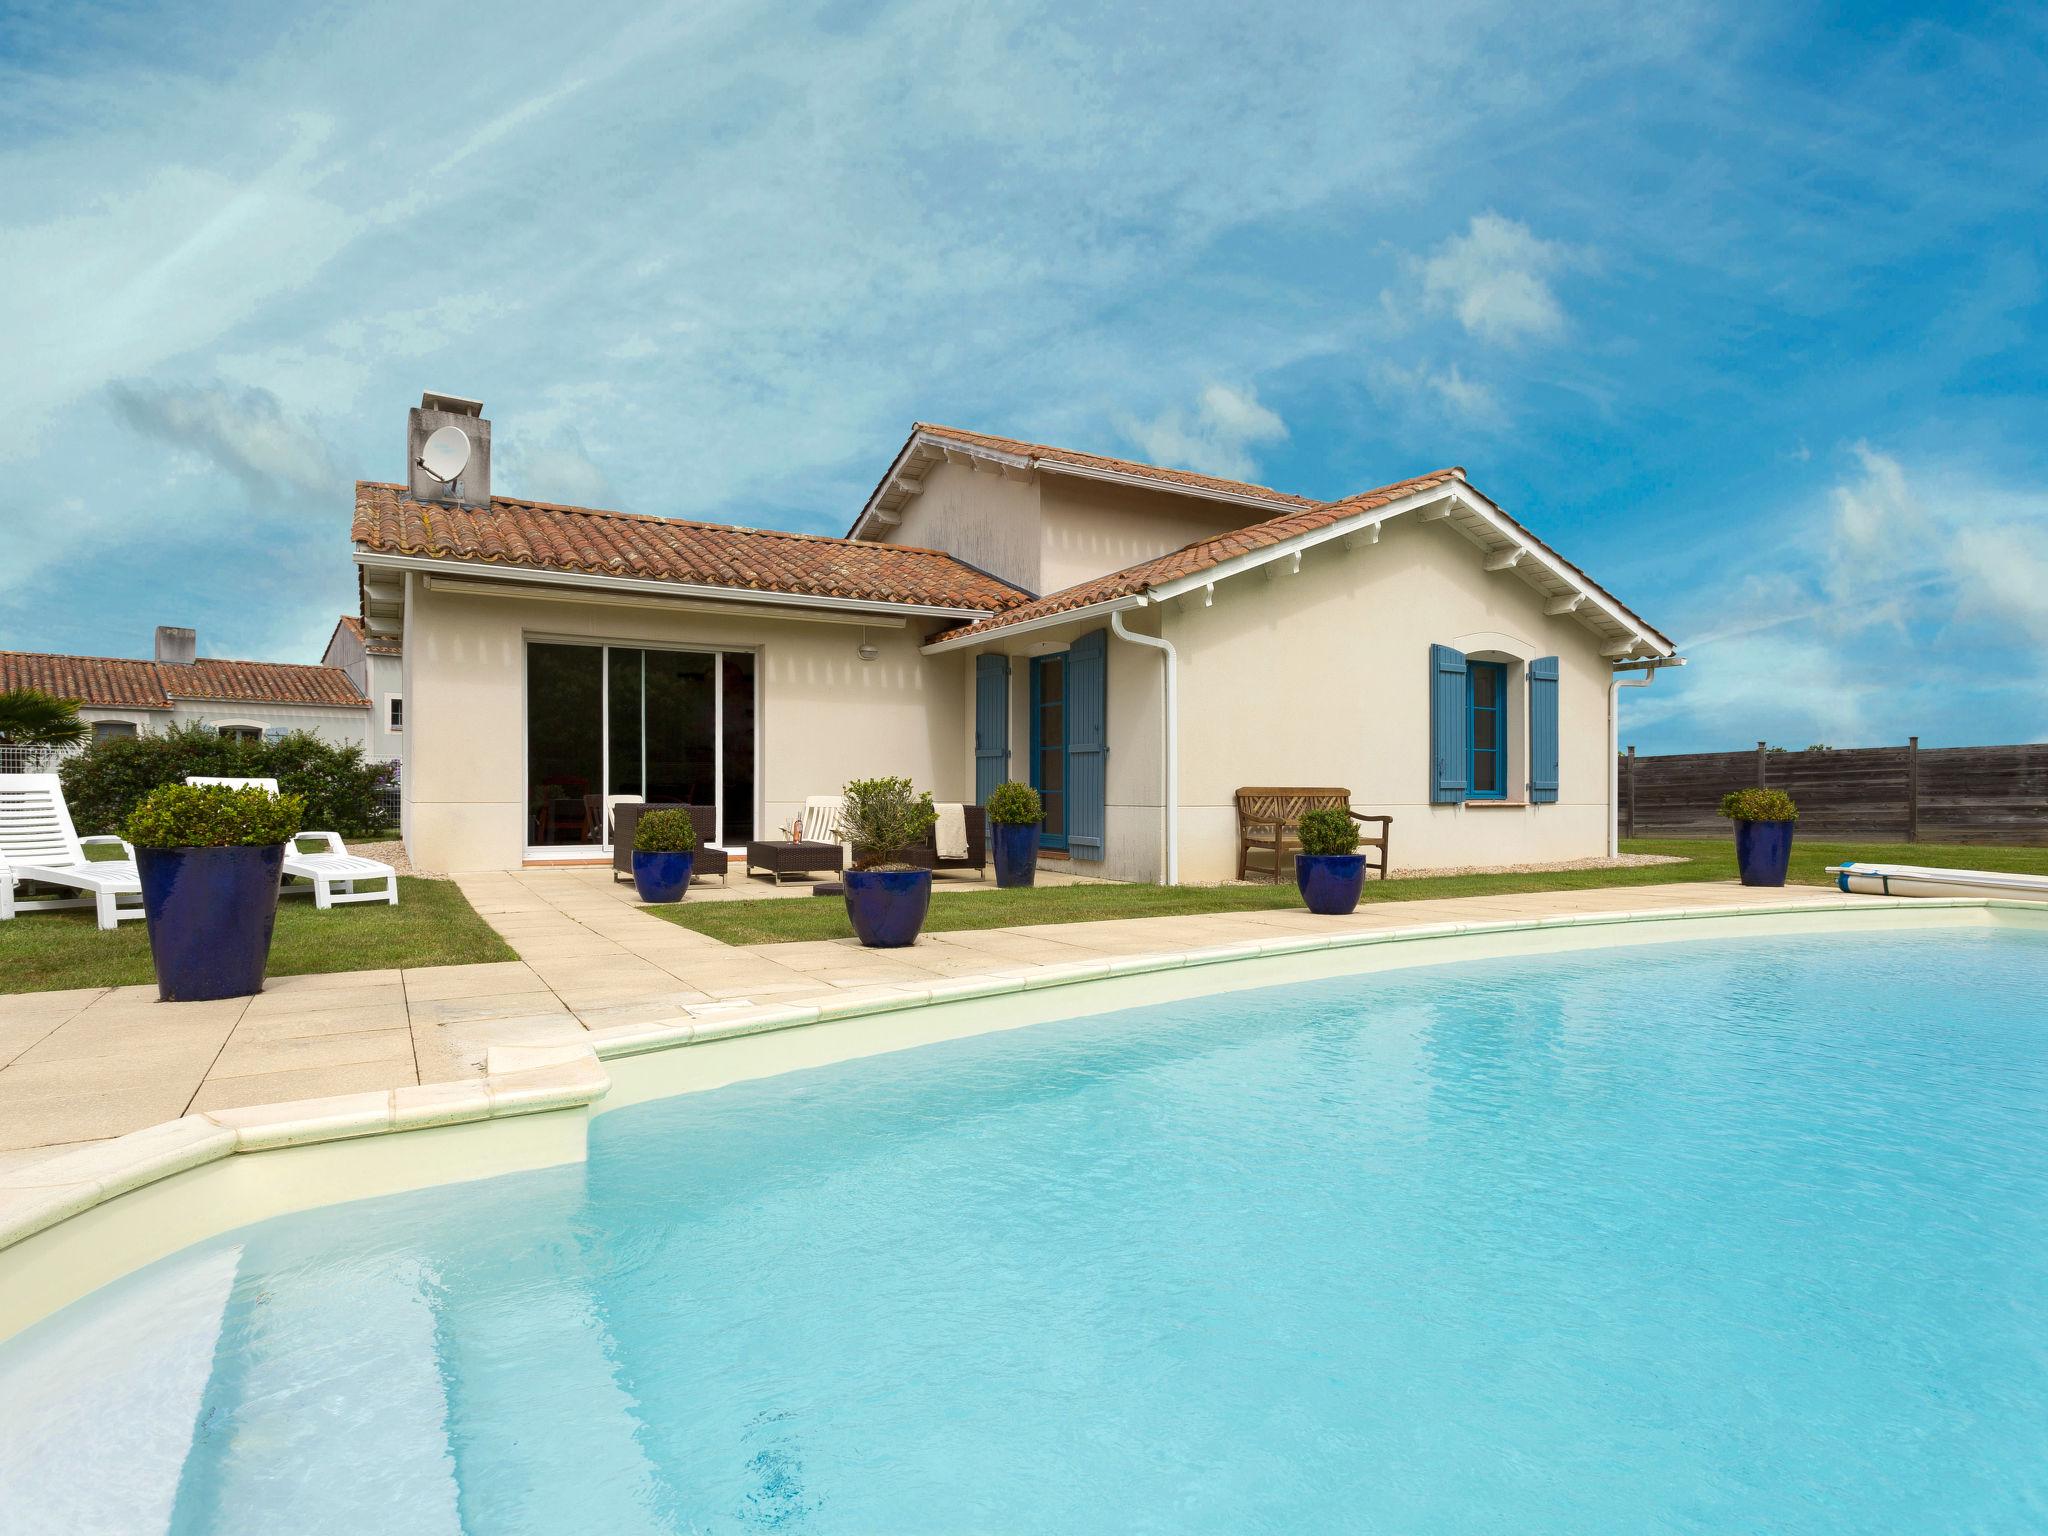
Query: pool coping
{"points": [[526, 1081]]}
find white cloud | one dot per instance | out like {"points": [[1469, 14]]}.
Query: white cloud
{"points": [[246, 434], [1424, 394], [1217, 438], [1495, 279]]}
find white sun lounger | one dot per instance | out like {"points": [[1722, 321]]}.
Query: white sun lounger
{"points": [[333, 874], [1917, 880], [38, 842]]}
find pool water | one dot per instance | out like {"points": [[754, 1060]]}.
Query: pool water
{"points": [[1708, 1236]]}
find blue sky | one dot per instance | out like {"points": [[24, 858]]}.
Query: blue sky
{"points": [[1740, 307]]}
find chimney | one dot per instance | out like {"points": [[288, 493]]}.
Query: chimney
{"points": [[178, 647], [471, 485]]}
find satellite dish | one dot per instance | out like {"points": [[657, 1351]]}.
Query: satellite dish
{"points": [[444, 453]]}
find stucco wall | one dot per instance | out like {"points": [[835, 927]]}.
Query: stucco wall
{"points": [[1322, 678], [1089, 528], [825, 715], [343, 727], [978, 516]]}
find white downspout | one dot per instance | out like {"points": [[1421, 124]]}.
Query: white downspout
{"points": [[1614, 754], [1116, 623]]}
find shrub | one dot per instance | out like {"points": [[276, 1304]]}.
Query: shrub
{"points": [[1758, 805], [1015, 805], [664, 832], [884, 819], [106, 782], [1327, 830], [31, 718], [214, 816]]}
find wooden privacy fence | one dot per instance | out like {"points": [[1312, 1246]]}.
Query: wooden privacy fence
{"points": [[1890, 794]]}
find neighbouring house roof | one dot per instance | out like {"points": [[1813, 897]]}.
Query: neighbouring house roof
{"points": [[116, 682], [929, 445], [374, 645], [1486, 524], [542, 536]]}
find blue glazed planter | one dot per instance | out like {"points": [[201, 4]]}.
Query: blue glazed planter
{"points": [[210, 912], [662, 876], [1763, 851], [1330, 882], [1016, 851], [887, 906]]}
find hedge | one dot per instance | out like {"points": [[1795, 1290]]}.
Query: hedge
{"points": [[104, 783]]}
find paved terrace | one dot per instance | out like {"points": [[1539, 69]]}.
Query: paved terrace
{"points": [[84, 1065]]}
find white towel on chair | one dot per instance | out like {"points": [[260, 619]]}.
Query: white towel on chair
{"points": [[949, 837]]}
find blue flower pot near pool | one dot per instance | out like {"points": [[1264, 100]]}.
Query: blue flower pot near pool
{"points": [[1016, 851], [662, 876], [887, 906], [1330, 882], [210, 912], [1763, 851]]}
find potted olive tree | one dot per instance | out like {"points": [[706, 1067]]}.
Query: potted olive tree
{"points": [[886, 895], [210, 861], [1014, 812], [664, 855], [1329, 871], [1763, 833]]}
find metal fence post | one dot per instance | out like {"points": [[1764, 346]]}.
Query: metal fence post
{"points": [[1763, 758], [1912, 789], [1631, 802]]}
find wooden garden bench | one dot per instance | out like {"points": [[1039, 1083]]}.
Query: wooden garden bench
{"points": [[1267, 819]]}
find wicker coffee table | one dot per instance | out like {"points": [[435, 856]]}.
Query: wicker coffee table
{"points": [[786, 858]]}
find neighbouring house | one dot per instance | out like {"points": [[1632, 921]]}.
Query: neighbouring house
{"points": [[123, 696], [1137, 642], [372, 664]]}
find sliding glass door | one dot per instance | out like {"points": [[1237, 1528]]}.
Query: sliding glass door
{"points": [[666, 727]]}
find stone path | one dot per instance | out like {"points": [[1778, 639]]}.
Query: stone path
{"points": [[84, 1065]]}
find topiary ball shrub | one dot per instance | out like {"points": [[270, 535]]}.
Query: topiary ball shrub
{"points": [[665, 832], [1014, 805], [884, 819], [214, 816], [1758, 805], [1327, 831]]}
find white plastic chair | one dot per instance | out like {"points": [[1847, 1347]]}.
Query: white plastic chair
{"points": [[332, 875], [821, 822], [38, 842]]}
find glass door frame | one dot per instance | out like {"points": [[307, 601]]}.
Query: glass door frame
{"points": [[1035, 697], [584, 852]]}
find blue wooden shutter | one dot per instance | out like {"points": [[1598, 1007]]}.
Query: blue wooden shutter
{"points": [[991, 724], [1543, 730], [1087, 743], [1449, 725]]}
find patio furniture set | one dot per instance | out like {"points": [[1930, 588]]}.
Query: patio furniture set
{"points": [[817, 849]]}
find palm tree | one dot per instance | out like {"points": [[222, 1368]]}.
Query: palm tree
{"points": [[31, 718]]}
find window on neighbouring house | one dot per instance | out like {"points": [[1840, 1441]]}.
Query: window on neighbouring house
{"points": [[241, 732], [394, 713], [112, 730]]}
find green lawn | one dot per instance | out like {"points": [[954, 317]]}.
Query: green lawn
{"points": [[433, 924], [771, 922]]}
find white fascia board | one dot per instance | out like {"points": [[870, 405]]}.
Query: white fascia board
{"points": [[514, 575], [1030, 626], [1272, 505]]}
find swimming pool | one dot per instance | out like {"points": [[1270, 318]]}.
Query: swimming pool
{"points": [[1704, 1236]]}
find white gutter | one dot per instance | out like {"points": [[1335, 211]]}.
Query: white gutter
{"points": [[1107, 606], [1116, 624], [515, 574], [1614, 687]]}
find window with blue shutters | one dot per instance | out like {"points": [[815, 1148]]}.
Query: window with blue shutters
{"points": [[1486, 730], [991, 724], [1087, 744], [1449, 710], [1543, 730]]}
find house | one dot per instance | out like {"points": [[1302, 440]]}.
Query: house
{"points": [[122, 696], [1137, 642], [372, 664]]}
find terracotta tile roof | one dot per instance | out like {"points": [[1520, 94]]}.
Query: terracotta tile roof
{"points": [[1169, 478], [375, 645], [1203, 554], [628, 544], [115, 682]]}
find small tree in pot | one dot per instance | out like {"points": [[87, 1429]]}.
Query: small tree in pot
{"points": [[887, 897], [664, 855], [1763, 833], [1329, 871], [1014, 813], [211, 860]]}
